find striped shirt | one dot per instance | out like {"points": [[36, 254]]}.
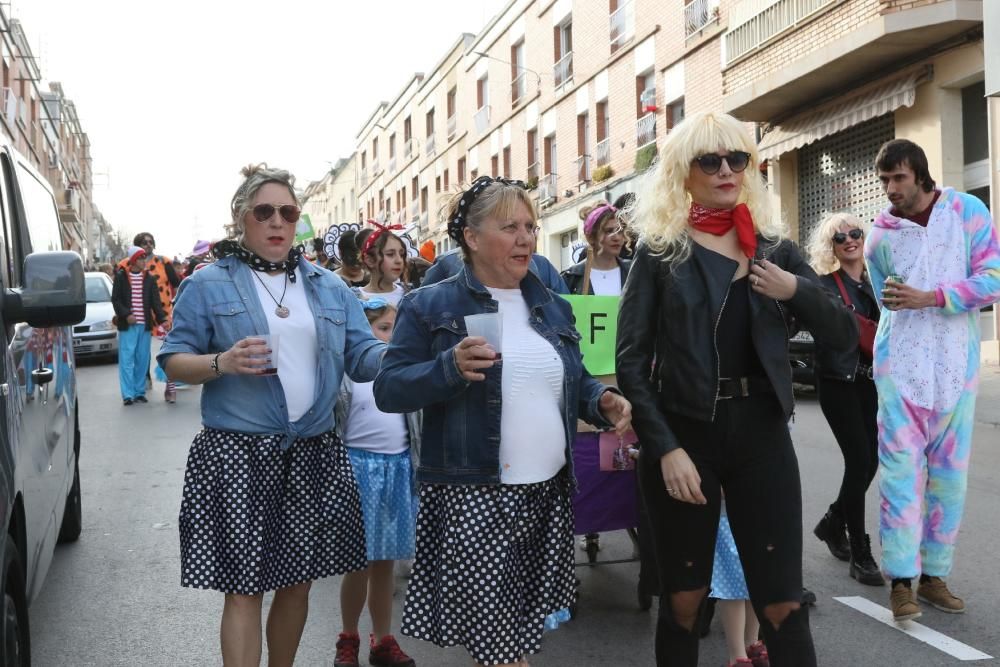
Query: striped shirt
{"points": [[136, 281]]}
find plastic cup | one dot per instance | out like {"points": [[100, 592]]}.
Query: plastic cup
{"points": [[488, 326], [271, 340]]}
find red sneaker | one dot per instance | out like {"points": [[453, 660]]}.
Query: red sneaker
{"points": [[348, 646], [757, 653], [388, 654]]}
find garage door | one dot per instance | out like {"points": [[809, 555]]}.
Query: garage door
{"points": [[837, 173]]}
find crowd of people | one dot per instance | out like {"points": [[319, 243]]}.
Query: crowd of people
{"points": [[351, 419]]}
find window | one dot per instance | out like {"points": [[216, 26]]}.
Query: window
{"points": [[645, 94], [532, 154], [452, 99], [550, 154], [517, 73], [375, 150], [563, 41], [364, 159], [506, 162], [461, 170], [392, 145], [423, 199], [675, 113], [429, 122], [603, 121], [494, 166], [482, 92], [583, 148], [414, 188], [445, 173], [407, 129], [40, 210], [437, 183]]}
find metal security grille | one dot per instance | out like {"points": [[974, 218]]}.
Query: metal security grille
{"points": [[838, 174]]}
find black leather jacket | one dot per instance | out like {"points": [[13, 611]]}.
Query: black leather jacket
{"points": [[667, 358], [839, 363], [573, 276]]}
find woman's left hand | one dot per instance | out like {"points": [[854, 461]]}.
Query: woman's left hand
{"points": [[772, 281], [616, 409]]}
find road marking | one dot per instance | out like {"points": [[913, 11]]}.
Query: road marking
{"points": [[941, 642]]}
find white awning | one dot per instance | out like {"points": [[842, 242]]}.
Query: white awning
{"points": [[870, 102]]}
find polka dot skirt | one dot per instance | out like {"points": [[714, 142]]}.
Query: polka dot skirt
{"points": [[728, 582], [492, 562], [256, 519]]}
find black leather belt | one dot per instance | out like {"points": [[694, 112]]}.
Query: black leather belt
{"points": [[864, 371], [744, 387]]}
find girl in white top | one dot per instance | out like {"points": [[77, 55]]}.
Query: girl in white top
{"points": [[602, 272], [384, 255], [379, 446]]}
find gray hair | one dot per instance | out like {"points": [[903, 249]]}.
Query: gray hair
{"points": [[255, 176]]}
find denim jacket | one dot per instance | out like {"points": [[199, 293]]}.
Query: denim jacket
{"points": [[461, 431], [218, 306]]}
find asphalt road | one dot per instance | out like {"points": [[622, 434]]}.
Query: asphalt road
{"points": [[114, 598]]}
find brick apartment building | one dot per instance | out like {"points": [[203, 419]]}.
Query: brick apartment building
{"points": [[43, 125]]}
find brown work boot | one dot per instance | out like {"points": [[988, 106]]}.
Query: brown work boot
{"points": [[904, 607], [935, 593]]}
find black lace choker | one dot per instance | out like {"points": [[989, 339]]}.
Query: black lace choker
{"points": [[255, 261]]}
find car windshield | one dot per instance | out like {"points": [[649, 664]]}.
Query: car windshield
{"points": [[97, 290]]}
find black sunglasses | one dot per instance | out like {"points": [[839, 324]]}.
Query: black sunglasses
{"points": [[264, 212], [711, 163], [840, 238]]}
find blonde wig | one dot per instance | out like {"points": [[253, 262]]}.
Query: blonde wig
{"points": [[661, 209], [820, 248]]}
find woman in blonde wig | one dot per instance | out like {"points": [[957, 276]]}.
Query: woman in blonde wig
{"points": [[847, 392], [711, 299]]}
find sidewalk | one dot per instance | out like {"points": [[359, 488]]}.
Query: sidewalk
{"points": [[988, 401]]}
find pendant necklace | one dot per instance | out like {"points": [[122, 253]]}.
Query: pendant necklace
{"points": [[281, 311]]}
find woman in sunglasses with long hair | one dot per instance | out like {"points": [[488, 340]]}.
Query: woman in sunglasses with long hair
{"points": [[709, 304], [270, 502], [847, 392]]}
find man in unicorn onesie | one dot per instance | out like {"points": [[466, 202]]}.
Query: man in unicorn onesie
{"points": [[934, 258]]}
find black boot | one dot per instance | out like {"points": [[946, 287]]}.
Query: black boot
{"points": [[831, 529], [863, 566]]}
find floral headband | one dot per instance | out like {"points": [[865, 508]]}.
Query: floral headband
{"points": [[459, 219]]}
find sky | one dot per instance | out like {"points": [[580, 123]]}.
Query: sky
{"points": [[178, 96]]}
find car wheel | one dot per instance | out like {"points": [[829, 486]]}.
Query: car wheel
{"points": [[16, 638]]}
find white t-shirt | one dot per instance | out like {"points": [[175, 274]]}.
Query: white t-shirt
{"points": [[532, 433], [606, 283], [297, 346], [392, 297], [371, 429]]}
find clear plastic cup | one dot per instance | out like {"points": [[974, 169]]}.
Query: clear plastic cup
{"points": [[271, 340], [488, 326]]}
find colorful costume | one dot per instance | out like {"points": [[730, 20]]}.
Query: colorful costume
{"points": [[926, 371]]}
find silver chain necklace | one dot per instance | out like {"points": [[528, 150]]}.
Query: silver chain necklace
{"points": [[281, 311]]}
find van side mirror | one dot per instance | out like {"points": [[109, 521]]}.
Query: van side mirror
{"points": [[54, 292]]}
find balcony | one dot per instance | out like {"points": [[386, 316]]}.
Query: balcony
{"points": [[429, 148], [392, 165], [645, 130], [452, 126], [583, 169], [763, 86], [482, 119], [518, 88], [602, 152], [547, 188], [562, 72], [375, 168], [414, 210], [622, 25], [363, 176], [698, 14], [408, 148], [533, 171]]}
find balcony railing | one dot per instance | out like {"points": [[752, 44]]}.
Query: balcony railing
{"points": [[375, 168], [429, 147], [622, 25], [532, 171], [392, 165], [753, 22], [408, 148], [602, 152], [562, 72], [422, 229], [518, 88], [645, 130], [547, 185], [482, 119], [452, 126], [583, 169], [414, 210], [698, 14]]}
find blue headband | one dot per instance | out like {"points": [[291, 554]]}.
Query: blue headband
{"points": [[374, 303]]}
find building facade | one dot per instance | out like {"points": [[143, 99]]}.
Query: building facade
{"points": [[43, 125], [333, 198]]}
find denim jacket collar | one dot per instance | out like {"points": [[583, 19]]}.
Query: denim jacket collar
{"points": [[534, 291]]}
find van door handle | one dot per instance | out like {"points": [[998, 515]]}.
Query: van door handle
{"points": [[42, 375]]}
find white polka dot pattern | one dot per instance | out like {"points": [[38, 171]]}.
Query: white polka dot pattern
{"points": [[728, 582], [256, 519]]}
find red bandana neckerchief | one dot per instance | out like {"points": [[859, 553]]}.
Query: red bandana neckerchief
{"points": [[718, 221]]}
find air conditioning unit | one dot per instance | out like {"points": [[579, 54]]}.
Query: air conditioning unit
{"points": [[648, 100]]}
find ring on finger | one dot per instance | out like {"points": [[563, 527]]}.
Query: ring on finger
{"points": [[756, 280]]}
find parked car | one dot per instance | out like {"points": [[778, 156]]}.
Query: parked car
{"points": [[42, 295], [97, 336], [802, 353]]}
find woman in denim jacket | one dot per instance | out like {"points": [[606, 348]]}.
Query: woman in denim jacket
{"points": [[270, 502], [495, 527]]}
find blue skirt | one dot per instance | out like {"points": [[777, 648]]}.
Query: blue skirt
{"points": [[728, 582], [388, 502]]}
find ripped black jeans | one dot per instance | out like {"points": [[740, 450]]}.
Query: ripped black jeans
{"points": [[746, 452]]}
